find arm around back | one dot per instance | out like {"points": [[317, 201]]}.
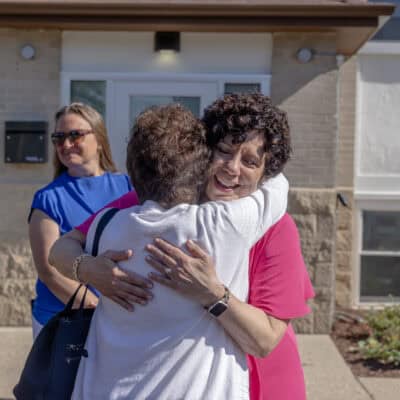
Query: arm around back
{"points": [[251, 216], [101, 272], [43, 232]]}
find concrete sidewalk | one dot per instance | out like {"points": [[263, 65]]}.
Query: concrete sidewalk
{"points": [[327, 375], [329, 378]]}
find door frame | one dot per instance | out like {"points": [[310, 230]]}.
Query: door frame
{"points": [[112, 78]]}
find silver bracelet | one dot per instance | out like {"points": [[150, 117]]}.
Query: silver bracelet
{"points": [[76, 264]]}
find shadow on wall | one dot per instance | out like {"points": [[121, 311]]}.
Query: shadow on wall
{"points": [[291, 76]]}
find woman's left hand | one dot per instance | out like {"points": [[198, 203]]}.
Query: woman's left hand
{"points": [[191, 274], [194, 275]]}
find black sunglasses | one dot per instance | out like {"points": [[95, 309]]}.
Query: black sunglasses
{"points": [[75, 136]]}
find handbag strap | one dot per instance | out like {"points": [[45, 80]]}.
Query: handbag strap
{"points": [[72, 299], [104, 220]]}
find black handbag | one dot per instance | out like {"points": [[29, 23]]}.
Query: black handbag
{"points": [[52, 364]]}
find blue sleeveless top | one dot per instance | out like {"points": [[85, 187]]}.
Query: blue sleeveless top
{"points": [[69, 201]]}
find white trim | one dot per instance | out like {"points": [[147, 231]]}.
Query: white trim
{"points": [[377, 201], [368, 305], [356, 257], [65, 91], [116, 79], [378, 184], [382, 47], [110, 116], [357, 123], [380, 253], [263, 79], [111, 77]]}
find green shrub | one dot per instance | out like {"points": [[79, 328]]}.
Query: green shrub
{"points": [[383, 344]]}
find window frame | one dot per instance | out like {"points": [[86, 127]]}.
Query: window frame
{"points": [[110, 78], [370, 202]]}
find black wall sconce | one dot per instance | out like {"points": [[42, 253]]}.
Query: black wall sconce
{"points": [[167, 41]]}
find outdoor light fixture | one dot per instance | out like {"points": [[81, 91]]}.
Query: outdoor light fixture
{"points": [[304, 55], [28, 52], [167, 41]]}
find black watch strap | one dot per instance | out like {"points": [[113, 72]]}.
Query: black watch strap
{"points": [[221, 305]]}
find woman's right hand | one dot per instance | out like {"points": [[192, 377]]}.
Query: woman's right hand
{"points": [[123, 287]]}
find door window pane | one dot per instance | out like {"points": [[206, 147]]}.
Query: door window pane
{"points": [[92, 93], [381, 230], [380, 277], [140, 103], [242, 88]]}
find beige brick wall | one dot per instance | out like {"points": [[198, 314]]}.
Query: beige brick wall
{"points": [[308, 92], [346, 121], [29, 90], [345, 182]]}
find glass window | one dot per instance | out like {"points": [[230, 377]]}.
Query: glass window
{"points": [[380, 278], [380, 256], [242, 88], [140, 103], [90, 92], [381, 230]]}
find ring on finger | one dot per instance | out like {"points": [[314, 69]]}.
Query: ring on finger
{"points": [[168, 271]]}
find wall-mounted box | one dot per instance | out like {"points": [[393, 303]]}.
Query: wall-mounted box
{"points": [[25, 142]]}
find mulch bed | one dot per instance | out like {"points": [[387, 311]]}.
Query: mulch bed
{"points": [[350, 327]]}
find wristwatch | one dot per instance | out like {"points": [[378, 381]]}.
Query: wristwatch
{"points": [[221, 305]]}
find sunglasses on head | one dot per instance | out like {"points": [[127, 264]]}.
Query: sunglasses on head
{"points": [[74, 136]]}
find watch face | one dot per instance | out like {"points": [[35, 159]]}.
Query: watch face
{"points": [[218, 309]]}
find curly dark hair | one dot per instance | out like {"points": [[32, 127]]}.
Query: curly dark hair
{"points": [[240, 114], [167, 156]]}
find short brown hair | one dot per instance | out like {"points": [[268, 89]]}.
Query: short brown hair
{"points": [[96, 122], [167, 156], [240, 114]]}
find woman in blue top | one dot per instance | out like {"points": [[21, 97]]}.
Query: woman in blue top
{"points": [[85, 179]]}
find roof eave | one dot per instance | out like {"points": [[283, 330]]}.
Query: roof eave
{"points": [[353, 23]]}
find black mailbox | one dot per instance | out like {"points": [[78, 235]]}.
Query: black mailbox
{"points": [[26, 142]]}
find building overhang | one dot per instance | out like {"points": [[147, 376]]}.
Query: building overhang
{"points": [[353, 21]]}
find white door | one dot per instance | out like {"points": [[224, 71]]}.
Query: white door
{"points": [[132, 97]]}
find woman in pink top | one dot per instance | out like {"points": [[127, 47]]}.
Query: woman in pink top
{"points": [[279, 283]]}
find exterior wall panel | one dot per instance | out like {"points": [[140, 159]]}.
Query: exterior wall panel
{"points": [[29, 90]]}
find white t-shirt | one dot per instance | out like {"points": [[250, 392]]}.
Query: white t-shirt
{"points": [[172, 348]]}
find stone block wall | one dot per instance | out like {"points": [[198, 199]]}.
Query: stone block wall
{"points": [[345, 243], [17, 272], [314, 211], [29, 91], [346, 123]]}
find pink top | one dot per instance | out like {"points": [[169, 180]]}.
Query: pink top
{"points": [[279, 285]]}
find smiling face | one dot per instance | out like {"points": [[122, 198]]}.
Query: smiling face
{"points": [[236, 169], [80, 158]]}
